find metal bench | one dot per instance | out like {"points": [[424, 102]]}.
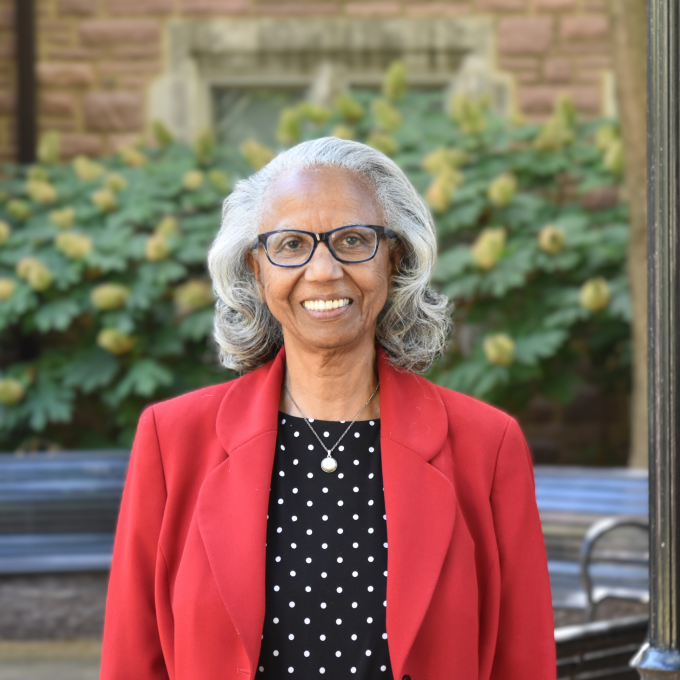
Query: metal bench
{"points": [[595, 651]]}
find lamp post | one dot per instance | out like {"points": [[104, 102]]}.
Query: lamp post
{"points": [[660, 656]]}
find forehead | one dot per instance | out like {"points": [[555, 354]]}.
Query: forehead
{"points": [[319, 198]]}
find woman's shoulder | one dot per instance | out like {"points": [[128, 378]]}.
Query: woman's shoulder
{"points": [[196, 404]]}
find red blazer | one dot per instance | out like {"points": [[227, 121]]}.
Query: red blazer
{"points": [[468, 595]]}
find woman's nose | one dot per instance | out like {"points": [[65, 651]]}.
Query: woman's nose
{"points": [[323, 266]]}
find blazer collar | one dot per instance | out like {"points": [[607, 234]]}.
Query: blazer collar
{"points": [[420, 501]]}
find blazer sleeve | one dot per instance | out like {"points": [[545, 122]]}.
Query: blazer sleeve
{"points": [[525, 644], [132, 646]]}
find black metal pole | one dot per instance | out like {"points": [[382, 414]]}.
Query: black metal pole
{"points": [[660, 657], [26, 124]]}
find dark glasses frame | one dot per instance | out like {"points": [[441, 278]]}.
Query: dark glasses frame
{"points": [[324, 237]]}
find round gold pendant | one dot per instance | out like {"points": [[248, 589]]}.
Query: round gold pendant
{"points": [[329, 464]]}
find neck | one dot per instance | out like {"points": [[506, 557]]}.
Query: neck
{"points": [[331, 385]]}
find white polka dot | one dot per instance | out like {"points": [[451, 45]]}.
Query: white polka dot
{"points": [[275, 619], [324, 517], [384, 516], [322, 637], [371, 449], [311, 447], [338, 621], [339, 589], [355, 489], [322, 670], [356, 462], [339, 531], [307, 621], [354, 605], [275, 652], [277, 559], [323, 606], [370, 589], [290, 669], [309, 532], [357, 435], [385, 603], [383, 668], [370, 559], [324, 545], [311, 420], [384, 638], [325, 489], [370, 531], [370, 422], [342, 421], [384, 545], [368, 652], [326, 434], [276, 589], [369, 619], [283, 448], [339, 560], [354, 637], [308, 560], [282, 474], [370, 476], [295, 490], [309, 503], [355, 574], [352, 670], [293, 545], [310, 474], [338, 653], [261, 669], [306, 653], [341, 448], [340, 503], [291, 637], [370, 502], [340, 475], [384, 573], [291, 604], [296, 434], [294, 518], [292, 573], [355, 516], [308, 589], [295, 462], [283, 422], [323, 574], [280, 501], [355, 545], [279, 530]]}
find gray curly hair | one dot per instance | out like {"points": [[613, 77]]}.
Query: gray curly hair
{"points": [[413, 325]]}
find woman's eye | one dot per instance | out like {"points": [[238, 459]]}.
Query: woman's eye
{"points": [[291, 244]]}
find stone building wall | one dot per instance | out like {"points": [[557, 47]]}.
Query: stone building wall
{"points": [[96, 58]]}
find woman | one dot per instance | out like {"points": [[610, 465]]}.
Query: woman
{"points": [[330, 513]]}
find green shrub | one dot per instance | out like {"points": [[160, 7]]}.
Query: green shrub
{"points": [[105, 303]]}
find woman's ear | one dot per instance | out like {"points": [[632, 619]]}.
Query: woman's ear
{"points": [[397, 252], [254, 264]]}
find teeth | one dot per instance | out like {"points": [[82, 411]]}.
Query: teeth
{"points": [[325, 305]]}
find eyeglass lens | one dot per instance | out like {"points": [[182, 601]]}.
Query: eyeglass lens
{"points": [[352, 244]]}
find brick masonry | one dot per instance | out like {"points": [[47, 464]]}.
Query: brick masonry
{"points": [[96, 58]]}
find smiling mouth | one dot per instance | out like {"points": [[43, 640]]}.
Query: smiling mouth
{"points": [[326, 305]]}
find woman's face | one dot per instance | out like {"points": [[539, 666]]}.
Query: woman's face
{"points": [[318, 200]]}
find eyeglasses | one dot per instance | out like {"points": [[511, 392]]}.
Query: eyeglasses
{"points": [[349, 245]]}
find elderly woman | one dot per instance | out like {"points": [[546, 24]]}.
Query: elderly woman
{"points": [[330, 513]]}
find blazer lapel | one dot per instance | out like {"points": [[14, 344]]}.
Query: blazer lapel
{"points": [[420, 501], [233, 502]]}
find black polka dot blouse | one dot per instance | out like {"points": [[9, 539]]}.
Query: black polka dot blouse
{"points": [[326, 568]]}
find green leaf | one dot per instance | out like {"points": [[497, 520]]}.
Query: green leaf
{"points": [[91, 370], [48, 402], [57, 315], [529, 349], [144, 378]]}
